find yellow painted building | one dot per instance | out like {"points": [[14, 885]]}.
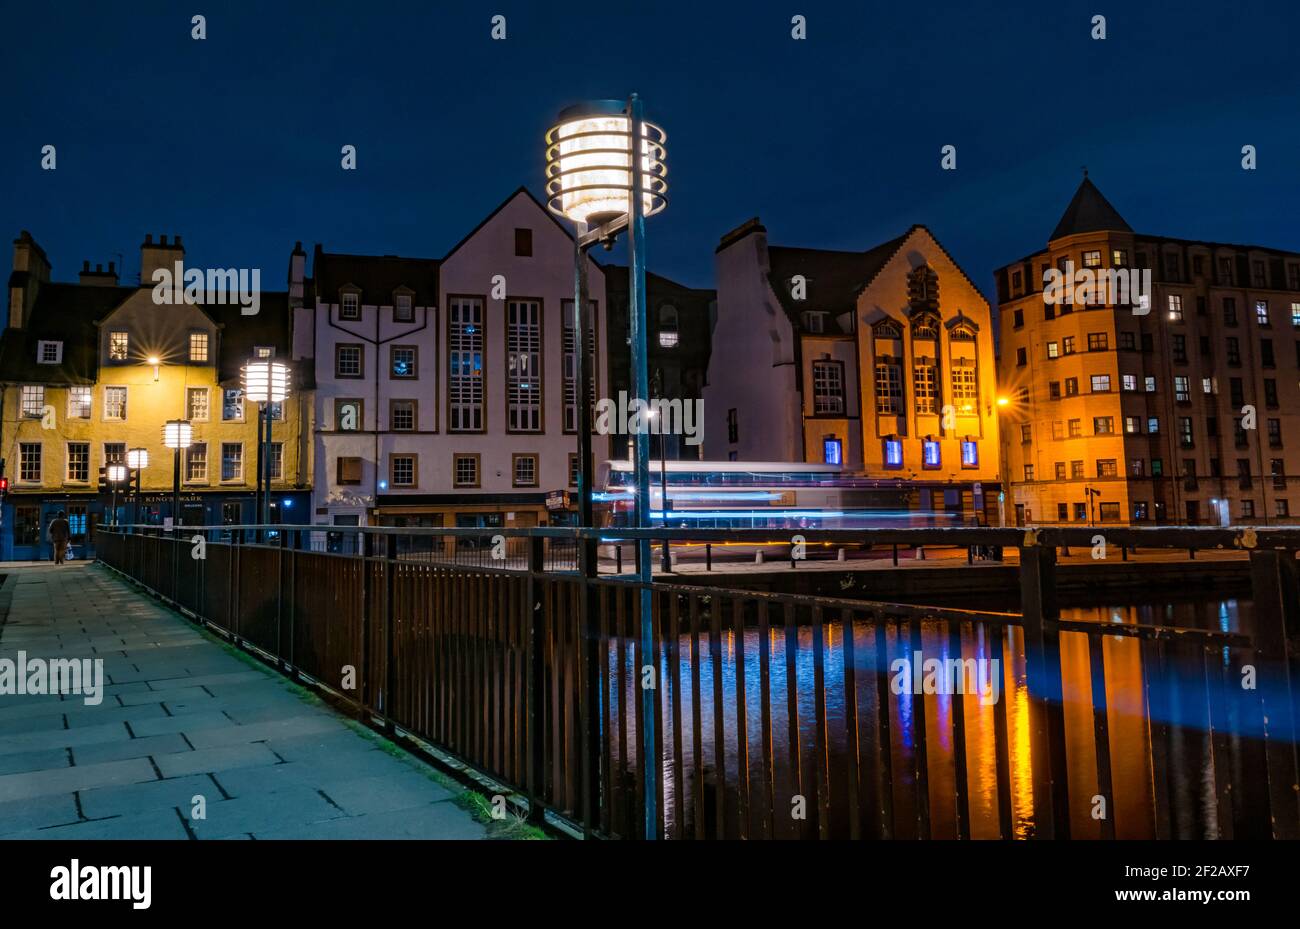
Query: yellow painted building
{"points": [[91, 370]]}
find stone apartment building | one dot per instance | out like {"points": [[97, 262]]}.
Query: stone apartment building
{"points": [[93, 368], [447, 386], [1182, 407], [881, 361]]}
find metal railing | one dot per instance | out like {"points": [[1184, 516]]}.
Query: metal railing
{"points": [[778, 715]]}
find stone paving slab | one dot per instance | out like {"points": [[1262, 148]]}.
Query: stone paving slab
{"points": [[183, 717]]}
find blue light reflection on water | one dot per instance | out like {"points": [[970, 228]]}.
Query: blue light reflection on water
{"points": [[1129, 735]]}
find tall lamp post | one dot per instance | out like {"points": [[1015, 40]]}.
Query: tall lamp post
{"points": [[265, 382], [605, 173], [178, 434], [137, 459]]}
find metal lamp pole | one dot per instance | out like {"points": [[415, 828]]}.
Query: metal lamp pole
{"points": [[589, 189]]}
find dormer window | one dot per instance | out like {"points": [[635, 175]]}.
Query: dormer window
{"points": [[350, 305], [263, 351], [198, 348], [119, 345], [668, 326], [403, 309], [814, 321], [49, 353]]}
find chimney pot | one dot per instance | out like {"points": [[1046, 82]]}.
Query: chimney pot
{"points": [[99, 269], [85, 265], [111, 268], [178, 240], [162, 240]]}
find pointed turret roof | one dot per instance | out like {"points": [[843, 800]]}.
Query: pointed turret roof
{"points": [[1089, 211]]}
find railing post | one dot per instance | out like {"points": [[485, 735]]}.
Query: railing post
{"points": [[390, 627], [535, 684], [1043, 670], [1277, 618], [591, 683]]}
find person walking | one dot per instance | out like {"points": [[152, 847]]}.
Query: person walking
{"points": [[60, 535]]}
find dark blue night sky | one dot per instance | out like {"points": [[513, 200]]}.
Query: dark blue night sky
{"points": [[834, 141]]}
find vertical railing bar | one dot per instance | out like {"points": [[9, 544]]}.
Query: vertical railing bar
{"points": [[674, 662], [957, 709], [920, 754], [884, 738], [1101, 731], [767, 819], [697, 720], [851, 746], [997, 636], [821, 772], [742, 723], [791, 635]]}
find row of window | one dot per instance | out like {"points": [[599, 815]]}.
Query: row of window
{"points": [[1137, 467], [930, 454], [77, 461], [81, 403], [828, 391], [465, 378], [198, 350], [1173, 270], [1133, 425], [466, 470]]}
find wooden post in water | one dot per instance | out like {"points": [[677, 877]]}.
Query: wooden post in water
{"points": [[1043, 669]]}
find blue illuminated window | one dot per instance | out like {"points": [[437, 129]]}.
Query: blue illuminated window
{"points": [[831, 449], [930, 453], [970, 455], [893, 453]]}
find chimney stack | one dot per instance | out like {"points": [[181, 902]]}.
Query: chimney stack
{"points": [[99, 277], [31, 269], [161, 255]]}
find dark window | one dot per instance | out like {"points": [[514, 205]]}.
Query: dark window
{"points": [[1266, 353], [524, 243]]}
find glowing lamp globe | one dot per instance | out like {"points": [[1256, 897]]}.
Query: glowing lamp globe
{"points": [[265, 381], [589, 164], [178, 433], [116, 473], [137, 458]]}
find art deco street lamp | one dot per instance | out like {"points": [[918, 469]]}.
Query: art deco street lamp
{"points": [[178, 434], [137, 459], [605, 173], [265, 382]]}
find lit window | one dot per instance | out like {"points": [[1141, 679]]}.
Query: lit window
{"points": [[1261, 312], [403, 358], [831, 451], [1101, 383], [33, 401], [1092, 259], [196, 404], [198, 347], [970, 454], [79, 402], [930, 453], [1182, 388], [893, 453], [263, 351], [1175, 307], [964, 388], [1053, 350], [232, 405], [119, 344], [115, 403]]}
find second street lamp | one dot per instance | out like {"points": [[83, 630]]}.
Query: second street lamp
{"points": [[605, 173], [265, 382], [178, 434], [137, 459]]}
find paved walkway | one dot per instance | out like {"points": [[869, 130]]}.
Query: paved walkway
{"points": [[185, 723]]}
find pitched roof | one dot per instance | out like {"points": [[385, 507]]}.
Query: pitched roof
{"points": [[377, 276], [1089, 211], [834, 278], [64, 313], [271, 325], [616, 282]]}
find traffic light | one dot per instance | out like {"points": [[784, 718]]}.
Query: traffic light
{"points": [[4, 486]]}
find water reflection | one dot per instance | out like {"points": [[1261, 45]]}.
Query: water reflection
{"points": [[910, 784]]}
